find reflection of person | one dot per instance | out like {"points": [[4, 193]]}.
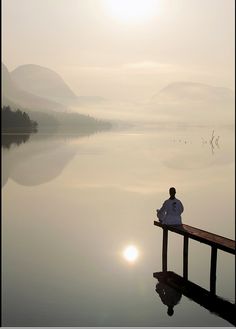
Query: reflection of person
{"points": [[169, 296], [171, 210]]}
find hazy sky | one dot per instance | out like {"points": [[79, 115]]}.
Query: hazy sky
{"points": [[122, 49]]}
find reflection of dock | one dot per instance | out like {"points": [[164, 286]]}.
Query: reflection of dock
{"points": [[201, 296]]}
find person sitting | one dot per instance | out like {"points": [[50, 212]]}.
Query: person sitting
{"points": [[171, 210]]}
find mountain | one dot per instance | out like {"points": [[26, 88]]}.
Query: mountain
{"points": [[193, 101], [193, 92], [47, 112], [15, 96], [43, 82]]}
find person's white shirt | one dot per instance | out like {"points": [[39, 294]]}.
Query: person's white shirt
{"points": [[170, 212]]}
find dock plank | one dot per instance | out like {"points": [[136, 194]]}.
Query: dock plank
{"points": [[209, 238]]}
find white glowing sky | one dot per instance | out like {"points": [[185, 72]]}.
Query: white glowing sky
{"points": [[131, 11], [120, 51]]}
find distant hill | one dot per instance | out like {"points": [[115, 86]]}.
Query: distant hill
{"points": [[43, 82], [46, 112], [194, 102], [14, 95], [193, 92]]}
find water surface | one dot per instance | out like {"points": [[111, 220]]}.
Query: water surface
{"points": [[72, 204]]}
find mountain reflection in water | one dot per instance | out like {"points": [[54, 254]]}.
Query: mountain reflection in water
{"points": [[40, 161]]}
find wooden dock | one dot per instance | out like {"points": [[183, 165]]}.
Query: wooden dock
{"points": [[214, 241]]}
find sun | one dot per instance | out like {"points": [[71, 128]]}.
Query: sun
{"points": [[131, 11]]}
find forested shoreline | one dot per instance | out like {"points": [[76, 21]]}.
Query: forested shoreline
{"points": [[17, 121]]}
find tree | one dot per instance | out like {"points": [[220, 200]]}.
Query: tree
{"points": [[15, 120]]}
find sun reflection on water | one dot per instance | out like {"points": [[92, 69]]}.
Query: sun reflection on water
{"points": [[130, 254]]}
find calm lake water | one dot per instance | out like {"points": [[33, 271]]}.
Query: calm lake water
{"points": [[72, 204]]}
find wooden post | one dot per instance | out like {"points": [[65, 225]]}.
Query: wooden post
{"points": [[213, 270], [185, 258], [164, 250]]}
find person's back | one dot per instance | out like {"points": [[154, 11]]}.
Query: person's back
{"points": [[170, 212]]}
